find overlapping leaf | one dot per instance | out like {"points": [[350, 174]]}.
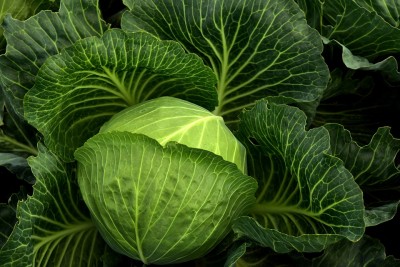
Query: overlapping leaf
{"points": [[389, 10], [379, 214], [307, 199], [313, 11], [368, 32], [373, 167], [16, 137], [30, 42], [8, 215], [256, 48], [80, 89], [168, 119], [52, 228], [362, 31], [177, 202], [17, 142], [371, 164], [366, 252], [21, 9]]}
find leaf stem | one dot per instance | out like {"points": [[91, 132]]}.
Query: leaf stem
{"points": [[16, 144]]}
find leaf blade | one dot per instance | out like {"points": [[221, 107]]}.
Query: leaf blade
{"points": [[307, 199], [255, 48], [80, 89], [52, 220]]}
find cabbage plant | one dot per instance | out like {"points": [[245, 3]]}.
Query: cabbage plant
{"points": [[199, 132]]}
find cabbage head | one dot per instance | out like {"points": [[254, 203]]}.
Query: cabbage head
{"points": [[164, 181]]}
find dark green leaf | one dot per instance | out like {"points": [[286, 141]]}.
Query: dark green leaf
{"points": [[367, 252], [256, 48], [16, 136], [17, 165], [387, 9], [381, 214], [30, 42], [313, 10], [21, 9], [306, 199], [8, 216], [53, 226], [364, 32], [81, 88], [235, 253], [370, 164]]}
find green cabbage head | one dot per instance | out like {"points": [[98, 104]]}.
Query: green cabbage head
{"points": [[164, 180]]}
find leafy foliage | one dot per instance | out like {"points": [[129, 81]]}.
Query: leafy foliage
{"points": [[109, 74], [310, 88], [52, 227], [255, 48], [305, 195]]}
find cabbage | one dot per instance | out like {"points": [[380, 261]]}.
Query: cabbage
{"points": [[164, 181]]}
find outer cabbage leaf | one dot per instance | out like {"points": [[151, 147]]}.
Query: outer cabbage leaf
{"points": [[389, 10], [370, 164], [313, 11], [16, 136], [307, 199], [374, 168], [368, 33], [256, 48], [81, 88], [17, 142], [17, 165], [368, 252], [168, 119], [383, 213], [21, 9], [160, 204], [388, 67], [30, 42], [8, 215], [235, 253], [53, 227], [362, 31]]}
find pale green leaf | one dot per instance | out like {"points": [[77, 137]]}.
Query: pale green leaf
{"points": [[177, 203], [168, 119]]}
